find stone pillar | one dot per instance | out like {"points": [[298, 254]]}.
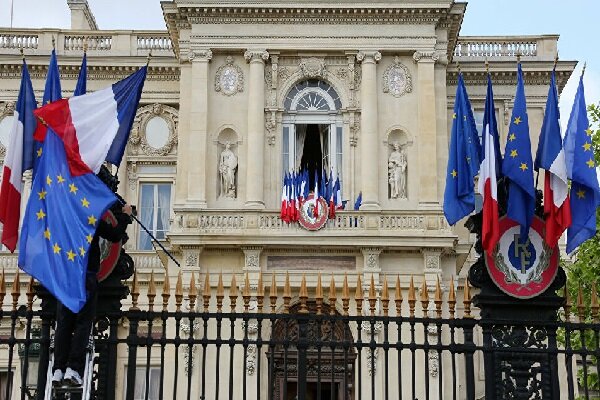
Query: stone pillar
{"points": [[197, 139], [426, 119], [256, 128], [369, 141]]}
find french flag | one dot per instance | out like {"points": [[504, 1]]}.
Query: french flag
{"points": [[487, 185], [21, 142], [95, 127], [284, 201], [551, 157]]}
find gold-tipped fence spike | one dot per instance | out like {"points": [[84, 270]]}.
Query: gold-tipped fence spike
{"points": [[451, 298], [372, 296], [179, 292], [412, 297], [438, 298], [135, 292], [206, 294], [319, 295], [385, 296], [594, 304], [358, 295], [151, 293], [332, 295], [233, 293], [246, 292], [2, 288], [424, 297], [273, 293], [467, 299], [220, 293], [567, 304], [30, 294], [345, 295], [192, 292], [166, 290], [398, 297], [580, 305], [287, 294], [260, 293], [303, 295]]}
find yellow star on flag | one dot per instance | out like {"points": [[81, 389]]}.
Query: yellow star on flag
{"points": [[454, 173], [49, 180], [581, 194], [588, 131], [81, 251], [513, 153], [56, 248], [40, 214], [85, 203], [89, 238], [73, 189], [454, 116], [512, 137], [517, 121], [587, 146], [39, 152], [71, 255], [60, 179], [92, 220], [42, 194], [523, 167], [590, 163], [47, 233]]}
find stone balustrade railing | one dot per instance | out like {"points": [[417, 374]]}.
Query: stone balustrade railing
{"points": [[118, 43], [226, 222], [497, 47]]}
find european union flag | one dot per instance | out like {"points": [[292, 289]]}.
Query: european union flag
{"points": [[581, 169], [52, 92], [463, 159], [59, 224], [518, 163]]}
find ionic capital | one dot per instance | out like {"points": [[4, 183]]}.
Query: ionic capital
{"points": [[256, 56], [200, 55], [368, 56], [425, 56]]}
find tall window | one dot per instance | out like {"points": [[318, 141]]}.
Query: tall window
{"points": [[140, 383], [155, 210]]}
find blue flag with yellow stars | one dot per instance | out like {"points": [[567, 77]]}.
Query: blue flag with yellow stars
{"points": [[581, 169], [59, 224], [463, 159], [518, 163]]}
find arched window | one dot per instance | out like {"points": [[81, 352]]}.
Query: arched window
{"points": [[312, 95]]}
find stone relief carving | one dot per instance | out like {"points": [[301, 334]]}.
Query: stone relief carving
{"points": [[252, 258], [270, 125], [228, 164], [313, 67], [397, 165], [396, 79], [200, 55], [191, 260], [132, 175], [139, 141], [229, 78], [284, 73]]}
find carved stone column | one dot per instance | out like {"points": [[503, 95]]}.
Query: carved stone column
{"points": [[197, 140], [426, 117], [369, 143], [256, 128]]}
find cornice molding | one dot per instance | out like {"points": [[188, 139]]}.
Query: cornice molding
{"points": [[509, 78], [95, 72]]}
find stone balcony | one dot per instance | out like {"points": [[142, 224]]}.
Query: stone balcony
{"points": [[390, 229], [100, 43], [506, 48]]}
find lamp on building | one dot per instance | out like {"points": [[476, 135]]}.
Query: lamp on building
{"points": [[31, 360]]}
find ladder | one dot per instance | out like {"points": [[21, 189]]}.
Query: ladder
{"points": [[65, 392]]}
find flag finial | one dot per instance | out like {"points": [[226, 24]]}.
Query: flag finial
{"points": [[22, 53], [53, 43], [555, 60], [85, 45], [487, 66], [458, 67], [518, 56], [148, 59], [583, 71]]}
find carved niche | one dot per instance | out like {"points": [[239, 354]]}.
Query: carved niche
{"points": [[154, 131], [396, 79], [229, 78]]}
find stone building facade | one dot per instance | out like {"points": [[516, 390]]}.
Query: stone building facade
{"points": [[233, 87]]}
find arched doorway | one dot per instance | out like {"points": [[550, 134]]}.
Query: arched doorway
{"points": [[313, 130], [330, 356]]}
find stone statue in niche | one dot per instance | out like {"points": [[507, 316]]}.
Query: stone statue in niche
{"points": [[228, 163], [397, 172]]}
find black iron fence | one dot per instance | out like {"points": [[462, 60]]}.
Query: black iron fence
{"points": [[377, 342]]}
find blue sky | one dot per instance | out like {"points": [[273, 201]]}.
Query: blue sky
{"points": [[576, 21]]}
